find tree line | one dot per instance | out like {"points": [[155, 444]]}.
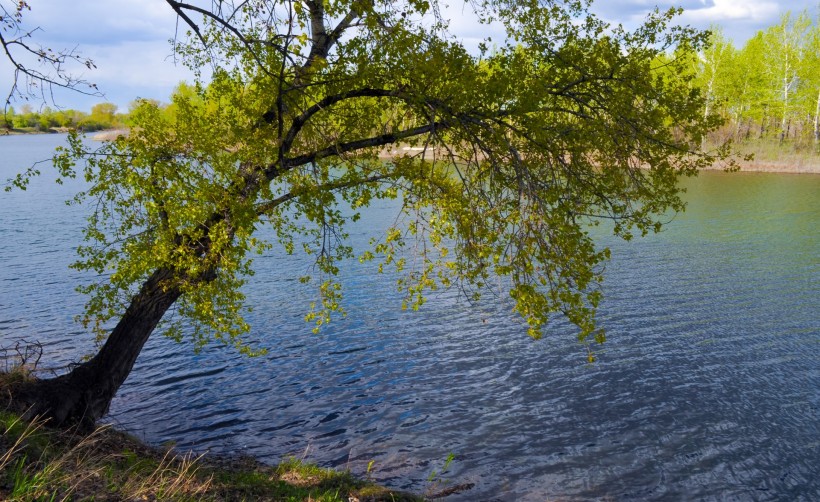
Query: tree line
{"points": [[768, 89], [102, 116]]}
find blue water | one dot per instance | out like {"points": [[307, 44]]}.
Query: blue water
{"points": [[706, 390]]}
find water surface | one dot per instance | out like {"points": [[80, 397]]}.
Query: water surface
{"points": [[706, 390]]}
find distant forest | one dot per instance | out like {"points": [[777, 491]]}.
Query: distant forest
{"points": [[768, 91], [770, 88], [26, 119]]}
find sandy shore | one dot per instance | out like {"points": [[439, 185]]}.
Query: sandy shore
{"points": [[797, 166], [109, 135]]}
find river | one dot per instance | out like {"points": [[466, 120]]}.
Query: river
{"points": [[707, 389]]}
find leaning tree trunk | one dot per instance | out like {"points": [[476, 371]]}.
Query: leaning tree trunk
{"points": [[84, 394]]}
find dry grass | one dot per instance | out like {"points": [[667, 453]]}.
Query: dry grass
{"points": [[44, 464], [41, 463], [769, 155]]}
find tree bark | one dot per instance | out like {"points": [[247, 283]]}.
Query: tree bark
{"points": [[84, 395], [817, 121]]}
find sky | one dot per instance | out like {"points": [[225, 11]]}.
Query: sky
{"points": [[128, 40]]}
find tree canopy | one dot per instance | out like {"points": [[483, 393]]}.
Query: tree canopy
{"points": [[770, 87], [518, 149]]}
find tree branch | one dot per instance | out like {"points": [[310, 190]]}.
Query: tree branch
{"points": [[322, 42], [301, 120], [268, 206], [351, 146], [180, 7], [12, 37]]}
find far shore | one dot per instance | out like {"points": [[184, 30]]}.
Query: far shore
{"points": [[109, 134], [795, 164], [809, 165], [791, 164]]}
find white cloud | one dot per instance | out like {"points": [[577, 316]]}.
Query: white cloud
{"points": [[734, 10], [128, 39], [136, 69], [465, 26], [90, 21], [137, 63], [740, 19]]}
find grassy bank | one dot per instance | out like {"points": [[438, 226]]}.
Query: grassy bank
{"points": [[53, 130], [768, 155], [30, 130], [39, 463]]}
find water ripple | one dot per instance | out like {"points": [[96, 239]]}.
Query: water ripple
{"points": [[706, 390]]}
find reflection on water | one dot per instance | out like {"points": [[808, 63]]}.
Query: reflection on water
{"points": [[707, 388]]}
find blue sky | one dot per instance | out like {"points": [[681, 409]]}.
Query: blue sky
{"points": [[129, 39]]}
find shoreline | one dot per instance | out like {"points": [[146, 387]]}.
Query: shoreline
{"points": [[797, 165], [40, 463], [790, 164]]}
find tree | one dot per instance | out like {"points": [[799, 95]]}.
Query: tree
{"points": [[8, 118], [712, 65], [25, 118], [45, 121], [567, 123], [104, 113], [810, 73], [784, 44], [739, 85], [103, 116]]}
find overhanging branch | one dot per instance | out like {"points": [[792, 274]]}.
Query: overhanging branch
{"points": [[301, 120], [352, 146], [270, 205]]}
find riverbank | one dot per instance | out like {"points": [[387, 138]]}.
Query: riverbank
{"points": [[31, 130], [109, 134], [38, 463], [100, 135], [799, 165], [767, 162], [766, 159]]}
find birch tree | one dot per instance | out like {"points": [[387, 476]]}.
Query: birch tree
{"points": [[784, 44]]}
